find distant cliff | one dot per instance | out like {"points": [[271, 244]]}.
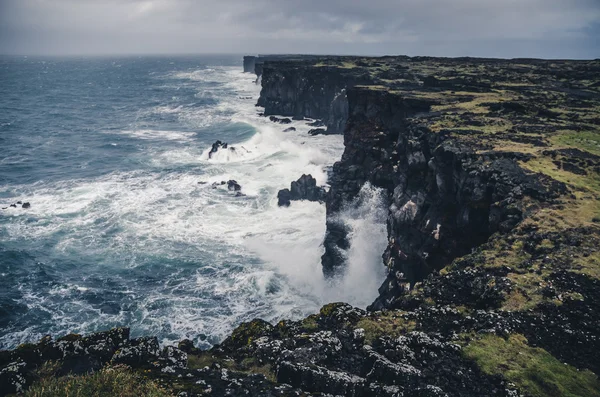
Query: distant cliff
{"points": [[249, 63], [301, 89]]}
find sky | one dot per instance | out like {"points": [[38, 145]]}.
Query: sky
{"points": [[488, 28]]}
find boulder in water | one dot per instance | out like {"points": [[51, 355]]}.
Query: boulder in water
{"points": [[318, 131], [290, 129], [284, 120], [26, 205], [215, 148], [305, 188], [233, 185], [284, 198]]}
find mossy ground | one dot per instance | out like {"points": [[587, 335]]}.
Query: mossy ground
{"points": [[391, 324], [117, 381], [533, 369], [249, 365]]}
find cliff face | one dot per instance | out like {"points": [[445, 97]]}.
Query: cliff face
{"points": [[249, 63], [301, 89], [446, 196]]}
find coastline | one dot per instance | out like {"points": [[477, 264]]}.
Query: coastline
{"points": [[492, 226]]}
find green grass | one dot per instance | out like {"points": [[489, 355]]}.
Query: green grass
{"points": [[532, 369], [109, 382], [390, 324], [585, 140]]}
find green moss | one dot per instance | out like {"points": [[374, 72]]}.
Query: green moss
{"points": [[391, 324], [585, 140], [251, 366], [199, 361], [70, 338], [328, 309], [532, 369], [247, 332], [309, 324], [109, 382]]}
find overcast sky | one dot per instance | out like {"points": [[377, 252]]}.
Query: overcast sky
{"points": [[500, 28]]}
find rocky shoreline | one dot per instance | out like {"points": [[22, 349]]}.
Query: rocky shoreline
{"points": [[491, 170]]}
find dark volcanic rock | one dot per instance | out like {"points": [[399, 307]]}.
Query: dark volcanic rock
{"points": [[233, 185], [318, 131], [300, 90], [289, 129], [305, 188], [249, 63], [284, 198], [26, 205], [279, 120], [216, 147]]}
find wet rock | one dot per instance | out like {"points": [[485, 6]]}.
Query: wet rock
{"points": [[290, 129], [216, 147], [26, 205], [305, 188], [279, 120], [233, 185], [284, 198], [318, 131], [187, 346]]}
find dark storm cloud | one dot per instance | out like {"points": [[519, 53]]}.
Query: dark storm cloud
{"points": [[508, 28]]}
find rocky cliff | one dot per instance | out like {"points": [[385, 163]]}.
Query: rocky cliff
{"points": [[249, 63], [491, 171], [305, 89]]}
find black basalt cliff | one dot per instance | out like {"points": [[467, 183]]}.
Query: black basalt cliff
{"points": [[446, 196], [301, 89]]}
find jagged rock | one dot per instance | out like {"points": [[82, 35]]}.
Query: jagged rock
{"points": [[216, 147], [284, 197], [26, 205], [233, 185], [318, 131], [279, 120], [305, 188], [140, 351], [13, 378], [187, 346]]}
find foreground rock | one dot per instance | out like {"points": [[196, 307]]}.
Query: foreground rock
{"points": [[305, 188]]}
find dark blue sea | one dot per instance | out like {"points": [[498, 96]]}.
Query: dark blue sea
{"points": [[125, 227]]}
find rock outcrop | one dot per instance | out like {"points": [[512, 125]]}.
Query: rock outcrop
{"points": [[305, 188]]}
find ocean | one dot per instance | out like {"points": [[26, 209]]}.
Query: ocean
{"points": [[125, 227]]}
